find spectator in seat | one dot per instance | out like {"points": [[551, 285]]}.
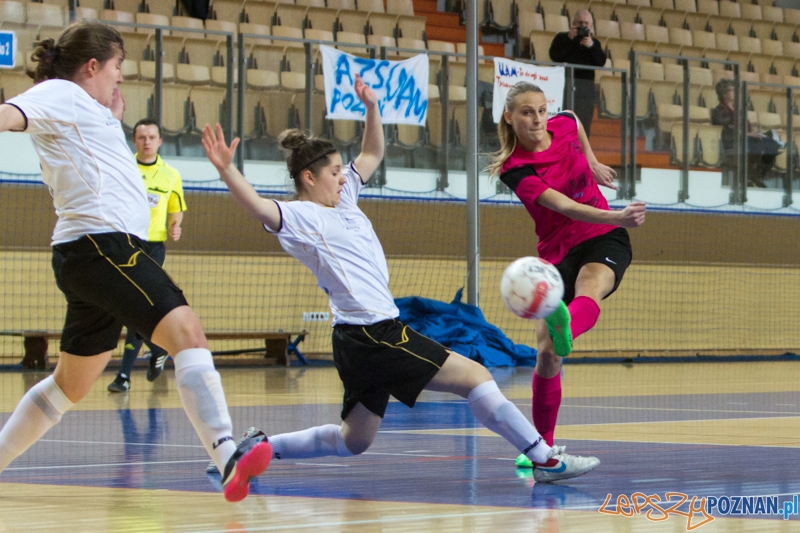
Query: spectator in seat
{"points": [[577, 46], [761, 148]]}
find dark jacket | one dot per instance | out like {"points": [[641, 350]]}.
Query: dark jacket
{"points": [[566, 50]]}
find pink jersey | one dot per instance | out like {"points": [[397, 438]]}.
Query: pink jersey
{"points": [[562, 167]]}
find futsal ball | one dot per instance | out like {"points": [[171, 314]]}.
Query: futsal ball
{"points": [[531, 287]]}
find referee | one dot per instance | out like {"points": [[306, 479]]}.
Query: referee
{"points": [[167, 204]]}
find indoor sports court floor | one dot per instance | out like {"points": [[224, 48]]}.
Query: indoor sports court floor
{"points": [[131, 462]]}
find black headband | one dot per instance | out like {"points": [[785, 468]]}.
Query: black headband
{"points": [[326, 154]]}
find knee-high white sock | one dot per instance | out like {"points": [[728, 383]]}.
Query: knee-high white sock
{"points": [[312, 442], [494, 411], [200, 389], [39, 410]]}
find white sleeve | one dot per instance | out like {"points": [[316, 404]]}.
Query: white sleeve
{"points": [[353, 185], [299, 222], [47, 106]]}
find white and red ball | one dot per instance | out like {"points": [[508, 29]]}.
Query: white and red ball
{"points": [[531, 287]]}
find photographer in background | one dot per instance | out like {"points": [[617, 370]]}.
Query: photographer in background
{"points": [[577, 46]]}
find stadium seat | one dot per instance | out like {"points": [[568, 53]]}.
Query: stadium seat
{"points": [[138, 101], [311, 3], [295, 60], [703, 39], [697, 21], [382, 24], [540, 42], [657, 34], [260, 12], [319, 125], [770, 12], [730, 10], [290, 15], [353, 21], [750, 11], [112, 15], [161, 7], [727, 42], [719, 23], [252, 28], [206, 107], [187, 22], [289, 32], [683, 37], [229, 10], [412, 44], [222, 25], [262, 79], [383, 40], [610, 98], [411, 27], [400, 7], [321, 18], [676, 143], [11, 11], [556, 23], [674, 19], [342, 4], [606, 28], [649, 15], [663, 4], [149, 18], [13, 83], [709, 7], [709, 140], [175, 110], [45, 15]]}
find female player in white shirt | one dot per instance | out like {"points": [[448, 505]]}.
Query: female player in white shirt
{"points": [[376, 355], [73, 115]]}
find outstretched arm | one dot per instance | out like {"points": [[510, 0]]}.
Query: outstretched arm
{"points": [[630, 217], [221, 156], [372, 144], [11, 118], [603, 175]]}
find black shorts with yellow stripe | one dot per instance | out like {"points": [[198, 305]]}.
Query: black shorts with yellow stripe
{"points": [[382, 359], [109, 281]]}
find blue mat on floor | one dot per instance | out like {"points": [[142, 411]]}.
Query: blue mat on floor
{"points": [[463, 328]]}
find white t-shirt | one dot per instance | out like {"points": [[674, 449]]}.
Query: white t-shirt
{"points": [[89, 168], [340, 247]]}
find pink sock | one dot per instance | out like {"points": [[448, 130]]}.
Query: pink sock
{"points": [[546, 401], [584, 313]]}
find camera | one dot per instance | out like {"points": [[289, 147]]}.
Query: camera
{"points": [[583, 31]]}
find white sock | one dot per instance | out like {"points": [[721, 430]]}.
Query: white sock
{"points": [[494, 411], [312, 442], [200, 389], [38, 410]]}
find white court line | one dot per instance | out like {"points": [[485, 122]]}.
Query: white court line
{"points": [[387, 521], [59, 441], [101, 465], [624, 408]]}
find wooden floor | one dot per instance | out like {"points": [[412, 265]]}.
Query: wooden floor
{"points": [[131, 462]]}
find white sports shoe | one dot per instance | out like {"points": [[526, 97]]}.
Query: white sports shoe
{"points": [[563, 466]]}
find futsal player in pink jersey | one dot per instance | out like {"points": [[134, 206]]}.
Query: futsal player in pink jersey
{"points": [[551, 168]]}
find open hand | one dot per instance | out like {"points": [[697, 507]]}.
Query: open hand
{"points": [[604, 175], [365, 93], [217, 151]]}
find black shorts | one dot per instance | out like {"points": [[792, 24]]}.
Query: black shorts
{"points": [[612, 249], [109, 281], [382, 359]]}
